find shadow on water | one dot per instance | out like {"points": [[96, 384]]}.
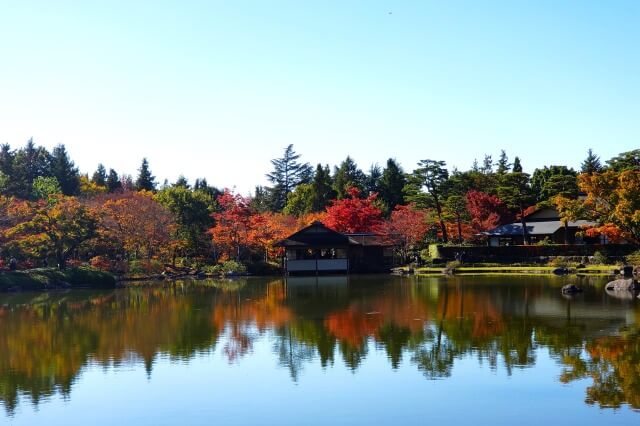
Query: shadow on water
{"points": [[430, 323]]}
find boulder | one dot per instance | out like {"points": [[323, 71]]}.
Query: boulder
{"points": [[571, 289], [624, 284], [627, 271], [561, 271]]}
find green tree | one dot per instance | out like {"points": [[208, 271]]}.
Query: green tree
{"points": [[100, 176], [392, 183], [113, 181], [286, 175], [455, 206], [261, 200], [192, 213], [515, 192], [45, 187], [300, 201], [487, 165], [6, 168], [323, 191], [629, 160], [503, 163], [145, 181], [182, 182], [517, 167], [591, 164], [433, 177], [203, 186], [65, 172], [372, 180], [550, 181], [29, 162], [346, 176]]}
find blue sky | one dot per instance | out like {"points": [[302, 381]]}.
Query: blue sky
{"points": [[216, 89]]}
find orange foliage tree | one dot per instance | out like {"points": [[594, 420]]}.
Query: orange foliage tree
{"points": [[138, 224], [613, 200], [268, 228]]}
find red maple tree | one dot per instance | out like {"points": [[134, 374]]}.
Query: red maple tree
{"points": [[487, 211], [354, 214], [231, 233], [406, 228]]}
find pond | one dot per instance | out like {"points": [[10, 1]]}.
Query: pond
{"points": [[310, 351]]}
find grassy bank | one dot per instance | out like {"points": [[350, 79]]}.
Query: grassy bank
{"points": [[52, 278], [482, 269]]}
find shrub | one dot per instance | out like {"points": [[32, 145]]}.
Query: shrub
{"points": [[101, 263], [599, 257], [139, 267], [546, 242], [231, 267], [425, 255], [451, 266], [264, 268], [634, 258], [74, 263], [558, 262]]}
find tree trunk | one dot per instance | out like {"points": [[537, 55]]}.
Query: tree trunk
{"points": [[443, 227], [61, 259], [459, 230], [525, 234]]}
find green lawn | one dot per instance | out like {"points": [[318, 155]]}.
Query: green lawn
{"points": [[482, 269]]}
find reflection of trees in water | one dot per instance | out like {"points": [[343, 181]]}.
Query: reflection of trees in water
{"points": [[292, 353], [43, 346], [613, 363], [47, 340]]}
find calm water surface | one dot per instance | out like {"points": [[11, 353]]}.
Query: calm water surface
{"points": [[334, 350]]}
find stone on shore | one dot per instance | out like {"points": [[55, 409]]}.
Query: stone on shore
{"points": [[623, 284]]}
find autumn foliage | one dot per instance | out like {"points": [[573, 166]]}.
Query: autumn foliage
{"points": [[354, 214], [486, 211]]}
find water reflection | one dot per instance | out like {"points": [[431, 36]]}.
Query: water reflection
{"points": [[430, 323]]}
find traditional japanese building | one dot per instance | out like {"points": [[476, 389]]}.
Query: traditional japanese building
{"points": [[317, 249], [542, 224]]}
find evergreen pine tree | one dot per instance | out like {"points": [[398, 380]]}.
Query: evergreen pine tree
{"points": [[29, 162], [517, 167], [487, 165], [322, 188], [113, 181], [433, 176], [503, 163], [145, 181], [182, 182], [372, 179], [100, 176], [6, 169], [591, 164], [346, 176], [392, 185], [65, 172], [287, 174]]}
